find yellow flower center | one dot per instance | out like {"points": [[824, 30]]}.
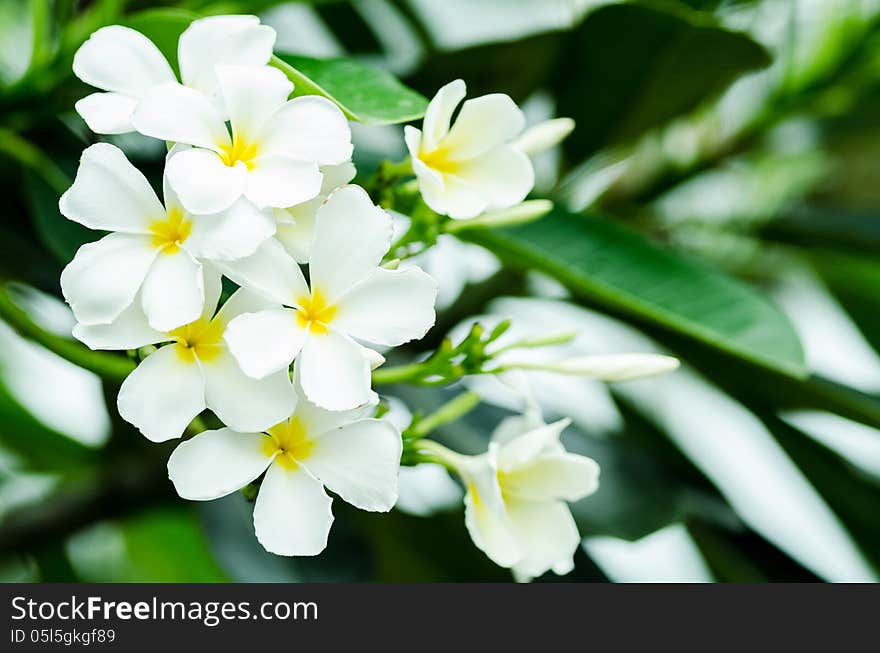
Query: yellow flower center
{"points": [[314, 310], [200, 339], [239, 150], [169, 234], [290, 441], [439, 160]]}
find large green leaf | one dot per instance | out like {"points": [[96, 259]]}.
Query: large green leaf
{"points": [[631, 67], [606, 264], [364, 94]]}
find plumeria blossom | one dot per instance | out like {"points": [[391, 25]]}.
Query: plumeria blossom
{"points": [[471, 166], [296, 224], [194, 371], [515, 508], [126, 65], [350, 298], [354, 456], [272, 153], [153, 252]]}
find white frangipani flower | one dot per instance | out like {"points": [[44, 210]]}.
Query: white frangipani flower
{"points": [[126, 64], [355, 457], [273, 151], [515, 507], [296, 224], [351, 298], [153, 250], [470, 167], [196, 371]]}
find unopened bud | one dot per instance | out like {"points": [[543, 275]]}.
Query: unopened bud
{"points": [[544, 135]]}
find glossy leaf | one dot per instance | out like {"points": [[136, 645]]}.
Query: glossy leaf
{"points": [[606, 264], [364, 94], [631, 67]]}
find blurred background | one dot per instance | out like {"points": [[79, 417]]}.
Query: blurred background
{"points": [[735, 143]]}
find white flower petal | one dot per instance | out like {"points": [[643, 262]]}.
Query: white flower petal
{"points": [[292, 515], [216, 463], [336, 175], [457, 198], [110, 194], [359, 462], [503, 175], [439, 113], [269, 271], [163, 394], [265, 342], [548, 536], [203, 182], [173, 112], [544, 135], [217, 40], [128, 331], [242, 301], [525, 448], [280, 181], [107, 113], [485, 517], [296, 224], [308, 128], [335, 373], [557, 476], [244, 403], [232, 234], [390, 307], [104, 277], [413, 139], [252, 94], [213, 284], [122, 60], [482, 124], [295, 228], [351, 237], [318, 420], [173, 292]]}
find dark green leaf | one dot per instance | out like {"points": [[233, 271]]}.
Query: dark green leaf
{"points": [[39, 447], [603, 263], [60, 235], [631, 67], [364, 94]]}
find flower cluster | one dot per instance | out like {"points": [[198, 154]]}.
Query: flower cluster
{"points": [[254, 184], [259, 288]]}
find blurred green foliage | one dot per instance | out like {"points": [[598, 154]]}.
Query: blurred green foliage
{"points": [[725, 150]]}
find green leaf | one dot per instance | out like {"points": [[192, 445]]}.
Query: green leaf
{"points": [[603, 263], [60, 235], [631, 67], [363, 93], [40, 448], [160, 545]]}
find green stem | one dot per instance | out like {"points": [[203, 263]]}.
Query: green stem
{"points": [[448, 412], [431, 451], [30, 156], [398, 374], [108, 366], [539, 341]]}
